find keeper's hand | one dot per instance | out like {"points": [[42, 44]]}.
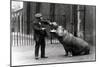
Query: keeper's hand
{"points": [[53, 30], [43, 28]]}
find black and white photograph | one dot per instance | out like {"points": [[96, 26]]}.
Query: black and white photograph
{"points": [[51, 33]]}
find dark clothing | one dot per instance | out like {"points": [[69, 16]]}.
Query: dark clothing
{"points": [[40, 42], [38, 32], [39, 37]]}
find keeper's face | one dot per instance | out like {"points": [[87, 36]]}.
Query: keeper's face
{"points": [[39, 18]]}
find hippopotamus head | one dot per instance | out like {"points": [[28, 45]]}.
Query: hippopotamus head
{"points": [[58, 29]]}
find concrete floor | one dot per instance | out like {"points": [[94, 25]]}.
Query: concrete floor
{"points": [[24, 55]]}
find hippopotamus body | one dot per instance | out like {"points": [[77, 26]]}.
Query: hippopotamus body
{"points": [[72, 44]]}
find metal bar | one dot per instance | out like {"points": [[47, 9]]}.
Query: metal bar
{"points": [[17, 31], [14, 33], [84, 21], [22, 28]]}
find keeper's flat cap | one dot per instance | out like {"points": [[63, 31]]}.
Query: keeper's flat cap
{"points": [[38, 15]]}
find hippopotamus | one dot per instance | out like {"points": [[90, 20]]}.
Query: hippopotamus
{"points": [[74, 45]]}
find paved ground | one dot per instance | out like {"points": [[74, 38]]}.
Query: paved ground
{"points": [[24, 55]]}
